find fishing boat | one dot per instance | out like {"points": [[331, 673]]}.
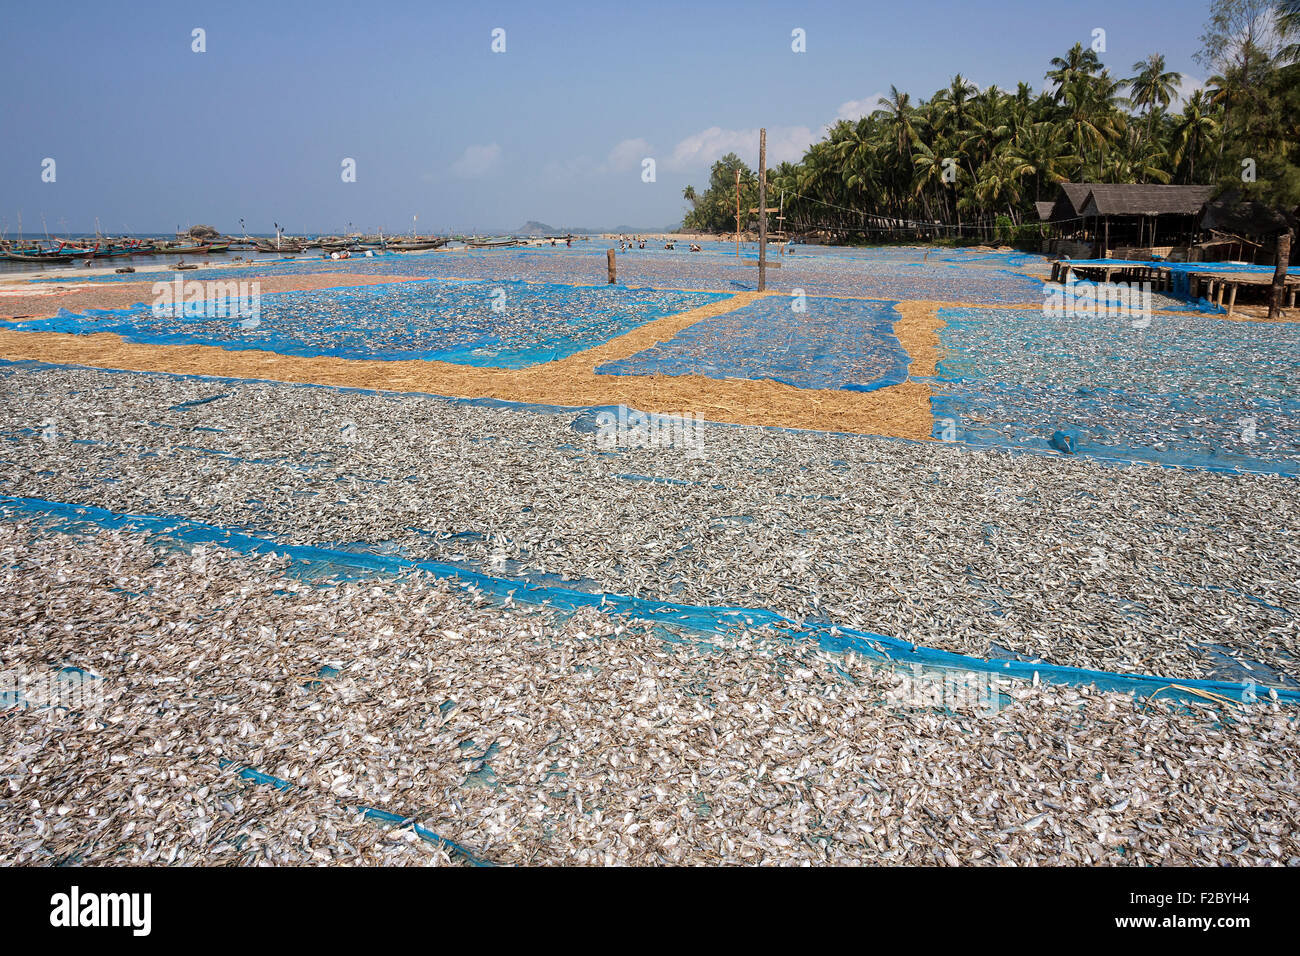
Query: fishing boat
{"points": [[285, 246], [75, 252], [419, 245], [504, 243], [219, 247], [186, 250], [22, 248], [40, 257]]}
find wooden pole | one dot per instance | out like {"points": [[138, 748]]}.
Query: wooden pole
{"points": [[762, 210], [737, 212], [1279, 275], [609, 261], [1232, 299]]}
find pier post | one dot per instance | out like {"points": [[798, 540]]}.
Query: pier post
{"points": [[1279, 275], [609, 257]]}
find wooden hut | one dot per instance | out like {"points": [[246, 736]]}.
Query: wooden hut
{"points": [[1241, 230], [1140, 222]]}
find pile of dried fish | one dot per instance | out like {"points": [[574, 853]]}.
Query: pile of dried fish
{"points": [[488, 324], [528, 739], [804, 342], [1171, 388], [1160, 571]]}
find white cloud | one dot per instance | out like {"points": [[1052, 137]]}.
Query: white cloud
{"points": [[1187, 85], [628, 154], [700, 150], [856, 109], [477, 161]]}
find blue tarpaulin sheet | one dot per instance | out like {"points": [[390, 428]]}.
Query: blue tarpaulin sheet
{"points": [[320, 563], [800, 341], [499, 324]]}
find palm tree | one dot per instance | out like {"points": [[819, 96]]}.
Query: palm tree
{"points": [[1195, 127], [1288, 28], [1091, 117], [1077, 64], [1153, 87], [1040, 151]]}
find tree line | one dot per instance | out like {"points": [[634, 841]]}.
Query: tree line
{"points": [[971, 163]]}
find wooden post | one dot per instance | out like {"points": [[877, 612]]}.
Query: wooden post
{"points": [[1232, 299], [609, 259], [762, 210], [1279, 275], [737, 212]]}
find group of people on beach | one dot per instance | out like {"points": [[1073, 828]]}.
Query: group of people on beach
{"points": [[625, 244]]}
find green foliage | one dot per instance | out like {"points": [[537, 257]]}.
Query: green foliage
{"points": [[715, 211], [969, 163]]}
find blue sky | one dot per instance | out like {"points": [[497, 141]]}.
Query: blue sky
{"points": [[147, 134]]}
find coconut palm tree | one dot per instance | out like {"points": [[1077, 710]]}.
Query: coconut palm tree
{"points": [[1040, 151], [1153, 87], [1077, 64], [1197, 126]]}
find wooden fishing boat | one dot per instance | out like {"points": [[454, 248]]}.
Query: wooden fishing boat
{"points": [[285, 246], [493, 243], [417, 245], [76, 252], [42, 257], [219, 247], [186, 250]]}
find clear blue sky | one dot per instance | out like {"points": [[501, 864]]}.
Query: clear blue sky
{"points": [[148, 134]]}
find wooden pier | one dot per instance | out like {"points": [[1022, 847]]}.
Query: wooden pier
{"points": [[1209, 284]]}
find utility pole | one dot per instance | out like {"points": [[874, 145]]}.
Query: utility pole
{"points": [[737, 212], [762, 210]]}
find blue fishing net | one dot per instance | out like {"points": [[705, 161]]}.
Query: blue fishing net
{"points": [[500, 324], [832, 343], [1185, 390], [324, 565]]}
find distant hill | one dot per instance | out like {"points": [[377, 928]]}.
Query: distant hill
{"points": [[534, 228]]}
